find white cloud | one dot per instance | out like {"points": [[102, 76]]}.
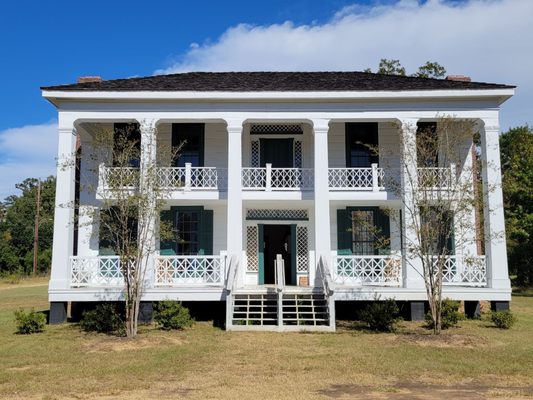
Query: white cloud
{"points": [[26, 152], [488, 40]]}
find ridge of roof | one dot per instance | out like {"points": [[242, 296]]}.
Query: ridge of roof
{"points": [[266, 81]]}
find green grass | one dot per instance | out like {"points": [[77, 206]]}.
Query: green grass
{"points": [[205, 362]]}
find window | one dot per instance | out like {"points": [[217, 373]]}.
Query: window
{"points": [[187, 230], [192, 137], [427, 144], [436, 225], [127, 145], [363, 232], [361, 144], [192, 231]]}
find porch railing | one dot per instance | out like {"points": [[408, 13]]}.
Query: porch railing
{"points": [[436, 177], [271, 179], [95, 271], [187, 270], [117, 177], [357, 178], [191, 178], [464, 270], [379, 270]]}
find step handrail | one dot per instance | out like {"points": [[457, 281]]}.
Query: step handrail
{"points": [[279, 272], [325, 276]]}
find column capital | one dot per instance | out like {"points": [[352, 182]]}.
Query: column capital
{"points": [[147, 124], [490, 124], [234, 125], [320, 126]]}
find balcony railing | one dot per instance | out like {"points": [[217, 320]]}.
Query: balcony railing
{"points": [[95, 271], [171, 178], [277, 179], [378, 270], [464, 271], [191, 178], [436, 177], [357, 178], [117, 177], [187, 270]]}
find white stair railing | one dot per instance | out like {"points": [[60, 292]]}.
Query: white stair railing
{"points": [[279, 277]]}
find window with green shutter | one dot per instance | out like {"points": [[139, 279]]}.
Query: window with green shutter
{"points": [[193, 231], [363, 231]]}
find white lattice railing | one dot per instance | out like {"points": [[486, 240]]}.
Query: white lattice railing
{"points": [[95, 271], [117, 177], [464, 271], [187, 270], [191, 178], [269, 178], [367, 270], [436, 177], [356, 178]]}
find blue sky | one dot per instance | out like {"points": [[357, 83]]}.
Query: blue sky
{"points": [[53, 42]]}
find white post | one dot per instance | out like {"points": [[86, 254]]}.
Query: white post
{"points": [[268, 186], [63, 242], [495, 246], [234, 223], [375, 186], [321, 191], [188, 175], [147, 174], [411, 265]]}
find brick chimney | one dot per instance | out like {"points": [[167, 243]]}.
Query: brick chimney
{"points": [[458, 78], [87, 79]]}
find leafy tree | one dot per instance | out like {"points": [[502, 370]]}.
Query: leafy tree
{"points": [[431, 69], [517, 169], [17, 228], [391, 67]]}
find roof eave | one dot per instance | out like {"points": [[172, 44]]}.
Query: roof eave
{"points": [[55, 96]]}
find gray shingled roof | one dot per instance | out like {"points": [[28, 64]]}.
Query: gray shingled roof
{"points": [[274, 81]]}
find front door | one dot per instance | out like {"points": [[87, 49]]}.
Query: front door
{"points": [[278, 152], [274, 240]]}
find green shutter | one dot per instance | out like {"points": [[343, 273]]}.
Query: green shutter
{"points": [[344, 234], [166, 247], [206, 232], [383, 224]]}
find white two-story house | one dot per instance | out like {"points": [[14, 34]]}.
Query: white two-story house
{"points": [[274, 166]]}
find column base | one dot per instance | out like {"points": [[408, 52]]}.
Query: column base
{"points": [[499, 305], [473, 309], [146, 312], [58, 312], [417, 310]]}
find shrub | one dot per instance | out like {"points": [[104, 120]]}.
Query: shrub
{"points": [[29, 322], [503, 319], [172, 315], [103, 319], [450, 315], [381, 315]]}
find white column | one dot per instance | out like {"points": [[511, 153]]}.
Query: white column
{"points": [[321, 192], [495, 245], [147, 186], [88, 225], [411, 264], [235, 222], [465, 218], [63, 241]]}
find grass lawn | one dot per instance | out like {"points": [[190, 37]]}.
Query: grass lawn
{"points": [[473, 361]]}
